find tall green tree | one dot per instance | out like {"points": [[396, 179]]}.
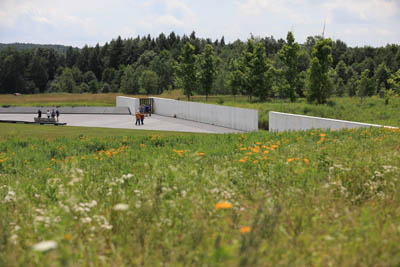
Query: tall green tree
{"points": [[382, 75], [319, 84], [260, 74], [236, 77], [116, 52], [394, 82], [366, 85], [67, 81], [187, 69], [128, 83], [208, 69], [149, 82], [38, 72], [164, 66], [289, 55]]}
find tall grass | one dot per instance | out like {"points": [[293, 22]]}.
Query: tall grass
{"points": [[261, 199]]}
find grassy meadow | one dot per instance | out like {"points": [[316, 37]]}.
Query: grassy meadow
{"points": [[259, 199]]}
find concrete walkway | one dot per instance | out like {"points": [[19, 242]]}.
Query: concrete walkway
{"points": [[155, 122]]}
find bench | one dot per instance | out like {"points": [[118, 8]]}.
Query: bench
{"points": [[48, 120]]}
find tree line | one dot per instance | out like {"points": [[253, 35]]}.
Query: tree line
{"points": [[260, 68]]}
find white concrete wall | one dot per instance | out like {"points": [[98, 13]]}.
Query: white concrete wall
{"points": [[279, 122], [132, 103], [230, 117]]}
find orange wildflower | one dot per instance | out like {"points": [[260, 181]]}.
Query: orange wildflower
{"points": [[322, 135], [201, 154], [242, 160], [243, 148], [223, 205], [255, 162], [245, 229], [306, 161], [289, 160], [68, 237], [266, 152]]}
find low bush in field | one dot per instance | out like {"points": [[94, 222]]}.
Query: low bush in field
{"points": [[259, 199]]}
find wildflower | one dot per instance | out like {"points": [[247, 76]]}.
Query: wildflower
{"points": [[142, 145], [45, 245], [289, 160], [322, 135], [245, 229], [201, 154], [266, 152], [68, 237], [255, 162], [121, 207], [243, 148], [306, 161], [242, 160], [223, 205]]}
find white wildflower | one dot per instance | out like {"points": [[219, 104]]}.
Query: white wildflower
{"points": [[121, 207], [10, 197], [86, 220], [183, 193], [45, 245]]}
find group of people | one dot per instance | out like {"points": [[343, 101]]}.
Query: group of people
{"points": [[140, 114], [53, 114]]}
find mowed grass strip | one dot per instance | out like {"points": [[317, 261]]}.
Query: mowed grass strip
{"points": [[314, 198], [24, 131]]}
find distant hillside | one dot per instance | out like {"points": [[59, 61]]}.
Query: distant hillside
{"points": [[22, 46]]}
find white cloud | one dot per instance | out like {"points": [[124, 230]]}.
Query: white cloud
{"points": [[80, 22], [279, 7], [366, 9]]}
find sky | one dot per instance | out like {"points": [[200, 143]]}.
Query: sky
{"points": [[88, 22]]}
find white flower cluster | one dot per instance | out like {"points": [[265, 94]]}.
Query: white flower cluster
{"points": [[84, 207], [114, 182], [10, 197]]}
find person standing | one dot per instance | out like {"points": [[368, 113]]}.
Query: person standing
{"points": [[48, 114], [39, 113], [53, 114], [57, 114], [137, 118], [142, 117]]}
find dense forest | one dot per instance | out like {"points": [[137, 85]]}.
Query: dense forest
{"points": [[261, 68]]}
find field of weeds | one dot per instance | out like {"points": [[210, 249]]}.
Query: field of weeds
{"points": [[261, 199]]}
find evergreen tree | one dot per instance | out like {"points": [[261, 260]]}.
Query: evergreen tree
{"points": [[366, 85], [289, 55], [394, 82], [260, 74], [187, 69], [207, 69], [116, 51], [320, 86], [341, 71], [95, 63], [382, 75], [38, 72]]}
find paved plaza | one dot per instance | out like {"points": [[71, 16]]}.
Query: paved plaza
{"points": [[155, 122]]}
